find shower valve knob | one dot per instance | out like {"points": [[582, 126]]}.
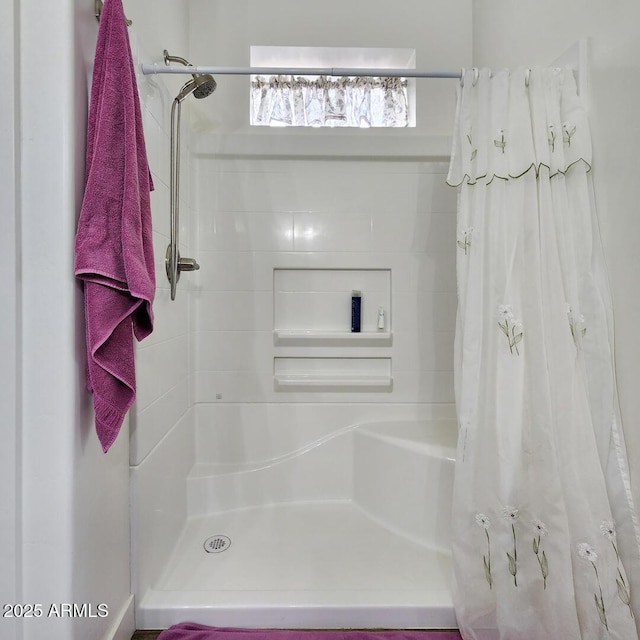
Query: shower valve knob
{"points": [[187, 264]]}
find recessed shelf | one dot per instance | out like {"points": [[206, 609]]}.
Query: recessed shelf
{"points": [[313, 305], [328, 382], [326, 374], [308, 336]]}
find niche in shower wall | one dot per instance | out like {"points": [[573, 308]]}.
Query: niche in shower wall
{"points": [[314, 306], [315, 347]]}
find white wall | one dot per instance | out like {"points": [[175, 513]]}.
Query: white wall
{"points": [[10, 552], [223, 31], [74, 545], [509, 34], [70, 541]]}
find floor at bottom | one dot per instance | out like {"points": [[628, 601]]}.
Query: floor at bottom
{"points": [[314, 565], [153, 635]]}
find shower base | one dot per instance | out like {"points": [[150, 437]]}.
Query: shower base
{"points": [[303, 565]]}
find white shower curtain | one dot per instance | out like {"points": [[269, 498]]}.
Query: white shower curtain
{"points": [[545, 538]]}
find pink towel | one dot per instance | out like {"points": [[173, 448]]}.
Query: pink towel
{"points": [[113, 250], [192, 631]]}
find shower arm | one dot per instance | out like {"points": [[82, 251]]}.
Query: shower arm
{"points": [[169, 58]]}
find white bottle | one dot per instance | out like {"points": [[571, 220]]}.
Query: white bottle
{"points": [[380, 319]]}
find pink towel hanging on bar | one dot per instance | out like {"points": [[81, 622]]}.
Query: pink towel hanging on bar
{"points": [[113, 249]]}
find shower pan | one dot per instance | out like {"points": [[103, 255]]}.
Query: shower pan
{"points": [[349, 531]]}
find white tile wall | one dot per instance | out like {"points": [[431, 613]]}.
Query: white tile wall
{"points": [[253, 433], [233, 310], [318, 473], [159, 503], [256, 215], [231, 350]]}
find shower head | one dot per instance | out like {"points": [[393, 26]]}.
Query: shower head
{"points": [[205, 85], [201, 84]]}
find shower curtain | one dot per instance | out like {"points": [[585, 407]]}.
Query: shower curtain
{"points": [[545, 537]]}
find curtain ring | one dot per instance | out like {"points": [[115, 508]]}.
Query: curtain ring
{"points": [[526, 78], [462, 72], [476, 75]]}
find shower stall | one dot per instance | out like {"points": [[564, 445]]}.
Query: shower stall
{"points": [[308, 480], [285, 471]]}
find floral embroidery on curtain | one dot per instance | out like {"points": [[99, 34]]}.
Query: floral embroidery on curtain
{"points": [[329, 102], [535, 382]]}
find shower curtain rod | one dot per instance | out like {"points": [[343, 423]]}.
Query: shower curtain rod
{"points": [[152, 69]]}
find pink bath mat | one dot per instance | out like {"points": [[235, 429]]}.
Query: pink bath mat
{"points": [[191, 631]]}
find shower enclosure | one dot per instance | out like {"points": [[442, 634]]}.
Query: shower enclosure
{"points": [[308, 482], [286, 472]]}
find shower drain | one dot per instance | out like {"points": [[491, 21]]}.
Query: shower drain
{"points": [[217, 544]]}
